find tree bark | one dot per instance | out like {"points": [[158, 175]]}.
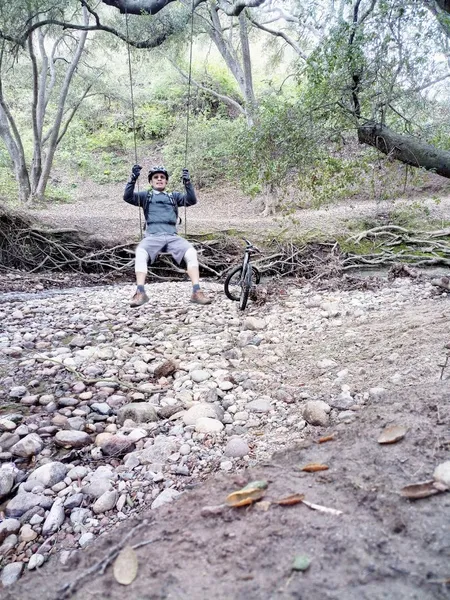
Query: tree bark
{"points": [[54, 136], [405, 148], [247, 68]]}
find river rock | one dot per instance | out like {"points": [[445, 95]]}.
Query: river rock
{"points": [[208, 425], [199, 375], [18, 391], [36, 561], [157, 454], [6, 482], [105, 502], [260, 405], [236, 447], [254, 324], [72, 439], [166, 496], [55, 518], [30, 445], [8, 527], [139, 412], [198, 411], [11, 573], [21, 503], [49, 474], [165, 369], [117, 445], [314, 413], [442, 473]]}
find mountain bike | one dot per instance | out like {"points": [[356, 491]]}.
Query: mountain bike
{"points": [[241, 279]]}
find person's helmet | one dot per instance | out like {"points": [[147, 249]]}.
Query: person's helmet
{"points": [[155, 170]]}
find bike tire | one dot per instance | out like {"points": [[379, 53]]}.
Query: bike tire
{"points": [[245, 289], [229, 284]]}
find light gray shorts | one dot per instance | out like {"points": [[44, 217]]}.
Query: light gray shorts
{"points": [[165, 242]]}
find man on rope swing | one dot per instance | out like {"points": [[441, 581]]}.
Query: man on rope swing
{"points": [[161, 217]]}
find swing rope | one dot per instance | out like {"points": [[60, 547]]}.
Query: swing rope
{"points": [[133, 117], [188, 104], [133, 114]]}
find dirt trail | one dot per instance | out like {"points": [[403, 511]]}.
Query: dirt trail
{"points": [[381, 547]]}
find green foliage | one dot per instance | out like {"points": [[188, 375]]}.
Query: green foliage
{"points": [[211, 143]]}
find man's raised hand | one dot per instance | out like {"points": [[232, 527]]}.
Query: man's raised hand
{"points": [[186, 177], [135, 172]]}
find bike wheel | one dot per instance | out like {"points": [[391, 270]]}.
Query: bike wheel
{"points": [[233, 282], [245, 288]]}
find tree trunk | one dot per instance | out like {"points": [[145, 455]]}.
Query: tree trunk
{"points": [[405, 148], [247, 68], [55, 137]]}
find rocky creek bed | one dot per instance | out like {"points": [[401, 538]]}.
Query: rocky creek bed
{"points": [[109, 416]]}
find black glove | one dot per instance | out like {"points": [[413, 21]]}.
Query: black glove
{"points": [[135, 172], [186, 177]]}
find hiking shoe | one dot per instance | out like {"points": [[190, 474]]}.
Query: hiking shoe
{"points": [[200, 298], [138, 299]]}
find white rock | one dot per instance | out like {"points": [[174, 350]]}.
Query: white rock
{"points": [[72, 439], [166, 496], [236, 447], [36, 561], [11, 573], [199, 375], [314, 413], [6, 482], [49, 474], [326, 363], [196, 412], [208, 425], [442, 473], [86, 539], [54, 519], [254, 324], [107, 501]]}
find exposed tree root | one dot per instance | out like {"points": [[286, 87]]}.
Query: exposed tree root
{"points": [[31, 248]]}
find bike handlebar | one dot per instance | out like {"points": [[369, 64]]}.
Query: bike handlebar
{"points": [[251, 247]]}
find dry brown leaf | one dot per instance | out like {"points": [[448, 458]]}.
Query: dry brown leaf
{"points": [[290, 500], [125, 566], [416, 491], [392, 434], [324, 509], [251, 493], [326, 438], [313, 467]]}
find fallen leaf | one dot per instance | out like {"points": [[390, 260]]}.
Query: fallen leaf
{"points": [[392, 434], [324, 509], [313, 467], [249, 494], [326, 438], [290, 500], [125, 566], [301, 562], [416, 491]]}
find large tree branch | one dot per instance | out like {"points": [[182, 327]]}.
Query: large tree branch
{"points": [[225, 99], [281, 34], [405, 148], [151, 7]]}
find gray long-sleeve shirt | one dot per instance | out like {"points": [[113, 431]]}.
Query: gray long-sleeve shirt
{"points": [[160, 208]]}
